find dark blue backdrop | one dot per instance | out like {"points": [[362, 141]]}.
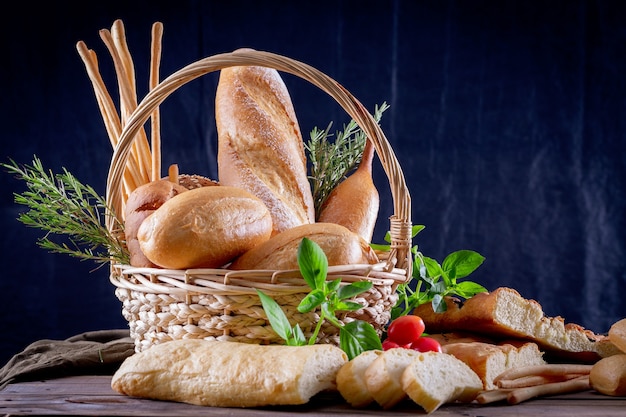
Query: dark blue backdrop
{"points": [[508, 118]]}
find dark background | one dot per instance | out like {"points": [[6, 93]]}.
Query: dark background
{"points": [[507, 117]]}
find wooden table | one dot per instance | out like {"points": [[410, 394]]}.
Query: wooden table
{"points": [[93, 396]]}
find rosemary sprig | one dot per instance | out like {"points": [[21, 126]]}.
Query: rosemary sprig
{"points": [[61, 205], [332, 161]]}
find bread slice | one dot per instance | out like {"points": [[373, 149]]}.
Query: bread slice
{"points": [[351, 379], [489, 360], [433, 379], [384, 376], [230, 374], [504, 314]]}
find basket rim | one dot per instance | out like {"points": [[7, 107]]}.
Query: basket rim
{"points": [[400, 222]]}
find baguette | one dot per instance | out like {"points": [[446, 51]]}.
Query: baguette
{"points": [[505, 314], [489, 360], [204, 227], [435, 378], [384, 376], [351, 381], [229, 374], [260, 147], [280, 252]]}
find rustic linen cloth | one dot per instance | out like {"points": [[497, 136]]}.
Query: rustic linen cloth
{"points": [[96, 353]]}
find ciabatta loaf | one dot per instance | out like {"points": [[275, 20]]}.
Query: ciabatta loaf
{"points": [[229, 374], [505, 314], [433, 379], [260, 147]]}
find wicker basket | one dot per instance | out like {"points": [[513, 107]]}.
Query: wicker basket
{"points": [[162, 305]]}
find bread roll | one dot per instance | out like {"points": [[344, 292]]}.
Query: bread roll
{"points": [[260, 147], [229, 374], [608, 375], [280, 252], [354, 203], [141, 203], [617, 335], [351, 382], [435, 378], [205, 227]]}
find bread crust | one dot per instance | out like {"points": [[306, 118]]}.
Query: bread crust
{"points": [[505, 314], [141, 203], [229, 374], [205, 227], [280, 252], [260, 147]]}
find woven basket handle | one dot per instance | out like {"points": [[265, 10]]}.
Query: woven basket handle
{"points": [[400, 228]]}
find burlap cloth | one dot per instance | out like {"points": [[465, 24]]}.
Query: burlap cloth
{"points": [[92, 353]]}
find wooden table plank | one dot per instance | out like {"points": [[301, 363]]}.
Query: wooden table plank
{"points": [[93, 396]]}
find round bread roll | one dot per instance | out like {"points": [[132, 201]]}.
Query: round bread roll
{"points": [[608, 375], [141, 203], [617, 335], [280, 252], [204, 227]]}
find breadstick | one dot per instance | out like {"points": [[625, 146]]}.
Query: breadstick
{"points": [[155, 60], [544, 370], [532, 380], [519, 395], [492, 396]]}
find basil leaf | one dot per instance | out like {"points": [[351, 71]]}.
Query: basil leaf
{"points": [[352, 289], [313, 263], [439, 304], [348, 306], [461, 263], [311, 301], [467, 289], [357, 337], [276, 316]]}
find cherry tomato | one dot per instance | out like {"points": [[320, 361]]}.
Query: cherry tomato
{"points": [[426, 344], [405, 329], [390, 344]]}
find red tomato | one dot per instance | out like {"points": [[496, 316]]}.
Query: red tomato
{"points": [[405, 329], [390, 344], [426, 344]]}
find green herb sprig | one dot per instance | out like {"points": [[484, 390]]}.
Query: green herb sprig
{"points": [[434, 281], [330, 297], [62, 206], [331, 161]]}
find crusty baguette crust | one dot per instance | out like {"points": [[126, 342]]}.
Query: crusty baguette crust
{"points": [[229, 374], [505, 314], [260, 147]]}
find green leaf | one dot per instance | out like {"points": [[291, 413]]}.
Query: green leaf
{"points": [[357, 337], [355, 288], [348, 306], [311, 301], [461, 263], [313, 263], [439, 304], [468, 289], [433, 267], [276, 316]]}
